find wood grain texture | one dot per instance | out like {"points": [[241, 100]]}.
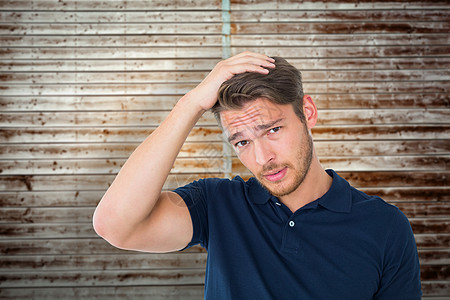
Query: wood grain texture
{"points": [[82, 83]]}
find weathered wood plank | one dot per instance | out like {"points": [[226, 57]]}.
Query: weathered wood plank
{"points": [[81, 263], [206, 64], [336, 5], [144, 16], [372, 163], [425, 210], [436, 290], [133, 89], [189, 292], [197, 28], [397, 179], [154, 118], [81, 246], [138, 134], [415, 201], [197, 76], [435, 272], [106, 166], [364, 52], [434, 257], [102, 150], [339, 27], [215, 52], [91, 182], [111, 134], [94, 119], [51, 198], [46, 215], [214, 149], [216, 165], [39, 40], [430, 225], [332, 15], [110, 77], [375, 180], [166, 102], [382, 132], [434, 240], [396, 195], [101, 278], [47, 231], [123, 16], [150, 40], [292, 39], [117, 53], [110, 5]]}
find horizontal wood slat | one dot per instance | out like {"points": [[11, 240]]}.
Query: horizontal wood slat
{"points": [[80, 246], [133, 118], [189, 76], [215, 165], [214, 149], [102, 278], [208, 39], [215, 52], [166, 102], [125, 17], [107, 6], [188, 292], [86, 89], [195, 64], [102, 262], [409, 199]]}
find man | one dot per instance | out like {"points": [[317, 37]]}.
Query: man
{"points": [[294, 231]]}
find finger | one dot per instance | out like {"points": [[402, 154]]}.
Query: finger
{"points": [[248, 67], [254, 54], [256, 58], [250, 60]]}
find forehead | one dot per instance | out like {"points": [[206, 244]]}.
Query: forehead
{"points": [[254, 113]]}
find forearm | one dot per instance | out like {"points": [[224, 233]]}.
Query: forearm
{"points": [[136, 189]]}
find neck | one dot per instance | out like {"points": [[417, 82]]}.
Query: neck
{"points": [[316, 183]]}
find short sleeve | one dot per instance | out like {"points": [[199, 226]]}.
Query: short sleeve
{"points": [[401, 269], [195, 196]]}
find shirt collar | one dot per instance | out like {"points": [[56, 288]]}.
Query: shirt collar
{"points": [[337, 199]]}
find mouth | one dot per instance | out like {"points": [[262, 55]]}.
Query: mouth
{"points": [[275, 175]]}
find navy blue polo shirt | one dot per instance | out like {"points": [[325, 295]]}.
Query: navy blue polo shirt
{"points": [[345, 245]]}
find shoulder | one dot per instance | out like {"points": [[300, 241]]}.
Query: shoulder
{"points": [[215, 186], [386, 217]]}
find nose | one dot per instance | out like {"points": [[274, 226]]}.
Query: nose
{"points": [[263, 153]]}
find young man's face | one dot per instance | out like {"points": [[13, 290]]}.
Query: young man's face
{"points": [[272, 142]]}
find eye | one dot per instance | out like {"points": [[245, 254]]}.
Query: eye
{"points": [[274, 130], [241, 144]]}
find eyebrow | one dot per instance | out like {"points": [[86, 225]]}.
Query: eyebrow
{"points": [[261, 127]]}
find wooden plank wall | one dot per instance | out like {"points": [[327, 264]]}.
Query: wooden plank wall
{"points": [[83, 82]]}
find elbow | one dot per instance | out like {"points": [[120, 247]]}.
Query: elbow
{"points": [[101, 222], [98, 222]]}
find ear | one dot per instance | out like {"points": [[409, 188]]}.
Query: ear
{"points": [[310, 111]]}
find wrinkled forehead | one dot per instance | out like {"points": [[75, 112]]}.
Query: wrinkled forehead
{"points": [[251, 115]]}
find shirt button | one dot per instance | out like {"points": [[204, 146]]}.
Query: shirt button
{"points": [[292, 223]]}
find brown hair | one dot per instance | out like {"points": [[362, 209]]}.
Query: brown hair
{"points": [[283, 85]]}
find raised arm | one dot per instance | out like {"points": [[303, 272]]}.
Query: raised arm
{"points": [[134, 213]]}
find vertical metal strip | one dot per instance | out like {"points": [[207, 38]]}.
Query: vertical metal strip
{"points": [[226, 53], [226, 29]]}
